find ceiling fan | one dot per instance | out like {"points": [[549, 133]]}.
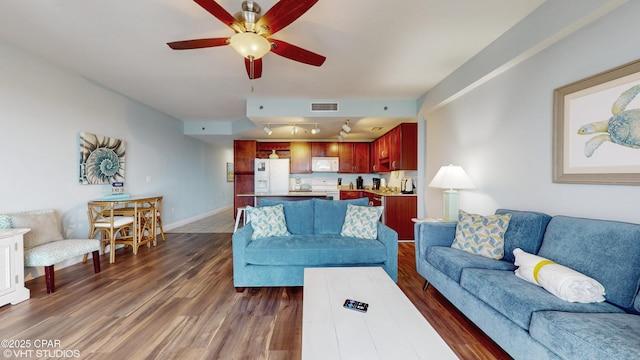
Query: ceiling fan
{"points": [[252, 38]]}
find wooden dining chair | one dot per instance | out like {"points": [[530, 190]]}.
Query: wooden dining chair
{"points": [[115, 226], [159, 217]]}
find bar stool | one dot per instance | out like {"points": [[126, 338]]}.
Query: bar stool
{"points": [[242, 211]]}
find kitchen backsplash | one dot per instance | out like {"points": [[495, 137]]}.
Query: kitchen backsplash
{"points": [[392, 179]]}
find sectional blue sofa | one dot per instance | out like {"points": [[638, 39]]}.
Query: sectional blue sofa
{"points": [[315, 241], [525, 320]]}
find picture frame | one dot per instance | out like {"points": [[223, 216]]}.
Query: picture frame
{"points": [[596, 128], [229, 172]]}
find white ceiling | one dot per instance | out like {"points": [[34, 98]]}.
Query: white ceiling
{"points": [[374, 50]]}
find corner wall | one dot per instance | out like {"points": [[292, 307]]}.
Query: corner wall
{"points": [[501, 131]]}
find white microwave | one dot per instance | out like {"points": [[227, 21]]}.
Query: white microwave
{"points": [[324, 164]]}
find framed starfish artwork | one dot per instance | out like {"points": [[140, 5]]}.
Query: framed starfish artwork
{"points": [[596, 128]]}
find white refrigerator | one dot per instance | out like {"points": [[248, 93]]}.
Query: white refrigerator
{"points": [[271, 176]]}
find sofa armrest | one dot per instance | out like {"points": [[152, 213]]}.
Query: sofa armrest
{"points": [[389, 238], [240, 240], [429, 234]]}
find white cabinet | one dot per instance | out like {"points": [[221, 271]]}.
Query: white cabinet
{"points": [[12, 288]]}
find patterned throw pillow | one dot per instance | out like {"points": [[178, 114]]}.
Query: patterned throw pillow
{"points": [[5, 222], [481, 235], [361, 222], [267, 221]]}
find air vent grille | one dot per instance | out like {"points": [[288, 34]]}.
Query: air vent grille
{"points": [[324, 106]]}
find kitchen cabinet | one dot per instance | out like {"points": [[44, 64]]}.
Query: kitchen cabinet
{"points": [[324, 149], [300, 157], [403, 147], [351, 194], [244, 152], [265, 149], [398, 212], [354, 158], [397, 149]]}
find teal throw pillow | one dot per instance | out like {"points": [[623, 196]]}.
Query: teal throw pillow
{"points": [[481, 235], [361, 222], [5, 222], [267, 221]]}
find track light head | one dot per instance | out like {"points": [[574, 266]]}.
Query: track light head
{"points": [[346, 128], [294, 130], [343, 134], [268, 130], [315, 131]]}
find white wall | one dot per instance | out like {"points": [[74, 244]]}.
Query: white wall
{"points": [[42, 109], [501, 131]]}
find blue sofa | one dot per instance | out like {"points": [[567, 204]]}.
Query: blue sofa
{"points": [[525, 320], [315, 241]]}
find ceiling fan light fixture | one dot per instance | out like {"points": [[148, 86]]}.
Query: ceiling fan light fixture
{"points": [[250, 45]]}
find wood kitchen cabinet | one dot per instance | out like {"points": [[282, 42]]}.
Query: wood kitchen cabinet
{"points": [[300, 157], [403, 147], [354, 157], [351, 194], [324, 149], [244, 153], [398, 212], [396, 150]]}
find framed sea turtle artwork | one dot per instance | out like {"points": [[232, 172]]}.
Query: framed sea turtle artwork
{"points": [[596, 128], [101, 159]]}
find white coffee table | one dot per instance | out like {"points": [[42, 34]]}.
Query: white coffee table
{"points": [[392, 328]]}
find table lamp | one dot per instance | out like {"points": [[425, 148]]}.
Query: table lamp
{"points": [[451, 178]]}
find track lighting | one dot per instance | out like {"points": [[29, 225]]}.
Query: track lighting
{"points": [[343, 134], [294, 130], [346, 127], [315, 130], [294, 127], [267, 129], [339, 138]]}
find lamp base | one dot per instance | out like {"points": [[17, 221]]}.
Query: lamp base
{"points": [[450, 204]]}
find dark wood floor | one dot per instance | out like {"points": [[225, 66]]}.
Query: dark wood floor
{"points": [[177, 301]]}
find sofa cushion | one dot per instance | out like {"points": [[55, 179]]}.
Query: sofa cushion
{"points": [[329, 214], [517, 299], [315, 250], [481, 235], [607, 251], [5, 222], [44, 226], [525, 231], [583, 336], [267, 221], [361, 222], [58, 251], [451, 261], [298, 214]]}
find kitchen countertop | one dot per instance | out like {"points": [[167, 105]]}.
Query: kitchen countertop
{"points": [[324, 193], [378, 192]]}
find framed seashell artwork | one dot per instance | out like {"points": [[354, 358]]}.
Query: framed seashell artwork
{"points": [[596, 128], [101, 159]]}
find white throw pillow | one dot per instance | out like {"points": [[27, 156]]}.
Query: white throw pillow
{"points": [[361, 221], [267, 221], [561, 281]]}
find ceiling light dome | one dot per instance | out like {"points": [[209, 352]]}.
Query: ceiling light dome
{"points": [[250, 45]]}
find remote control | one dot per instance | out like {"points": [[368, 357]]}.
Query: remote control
{"points": [[356, 305]]}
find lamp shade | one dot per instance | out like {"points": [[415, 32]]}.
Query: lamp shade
{"points": [[249, 44], [451, 177]]}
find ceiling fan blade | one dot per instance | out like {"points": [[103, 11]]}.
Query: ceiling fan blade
{"points": [[198, 43], [296, 53], [283, 13], [254, 68], [219, 12]]}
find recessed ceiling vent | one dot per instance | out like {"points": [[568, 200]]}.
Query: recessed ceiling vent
{"points": [[324, 106]]}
